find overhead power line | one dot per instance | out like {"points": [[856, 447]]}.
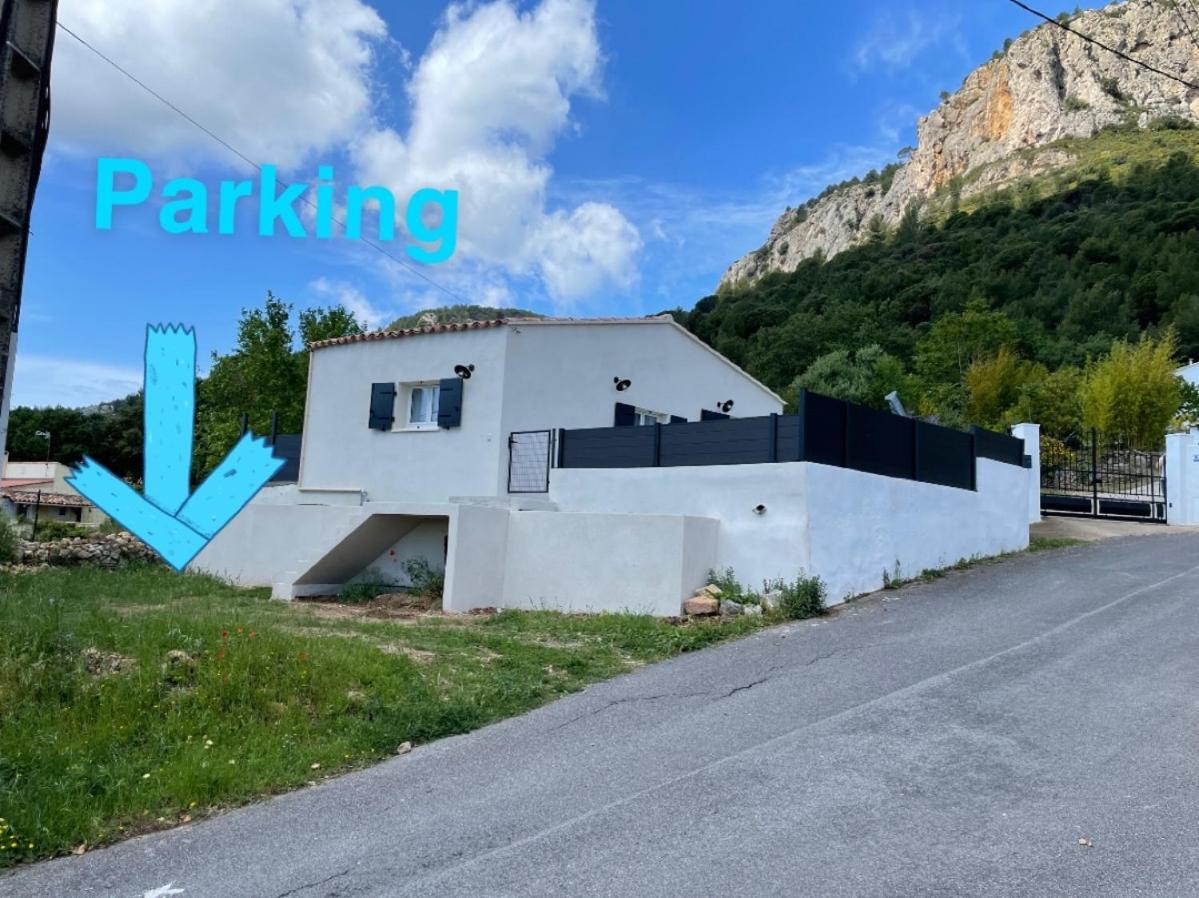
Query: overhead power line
{"points": [[242, 156], [1178, 7], [1103, 46]]}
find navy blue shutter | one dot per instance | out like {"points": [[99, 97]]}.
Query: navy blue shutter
{"points": [[626, 415], [383, 406], [449, 403], [706, 415], [677, 419]]}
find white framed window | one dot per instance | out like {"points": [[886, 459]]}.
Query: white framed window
{"points": [[420, 405], [642, 416]]}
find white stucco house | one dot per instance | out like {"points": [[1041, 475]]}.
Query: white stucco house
{"points": [[1189, 372], [39, 489], [561, 463]]}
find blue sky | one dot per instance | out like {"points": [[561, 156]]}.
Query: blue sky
{"points": [[612, 157]]}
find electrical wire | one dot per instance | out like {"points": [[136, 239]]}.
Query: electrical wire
{"points": [[1101, 45], [240, 155]]}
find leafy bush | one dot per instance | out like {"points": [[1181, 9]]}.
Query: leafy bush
{"points": [[8, 541], [730, 587], [802, 598], [1076, 104], [49, 531], [426, 581], [361, 591]]}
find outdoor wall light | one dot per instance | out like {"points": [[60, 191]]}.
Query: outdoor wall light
{"points": [[464, 371], [622, 385], [759, 509], [725, 406]]}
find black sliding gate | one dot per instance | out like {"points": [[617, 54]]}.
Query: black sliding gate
{"points": [[1098, 475]]}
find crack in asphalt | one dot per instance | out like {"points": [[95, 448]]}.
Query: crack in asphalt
{"points": [[313, 885], [770, 674]]}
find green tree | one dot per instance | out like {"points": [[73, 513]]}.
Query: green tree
{"points": [[1134, 391], [994, 385], [265, 373], [865, 376], [954, 343], [1052, 401]]}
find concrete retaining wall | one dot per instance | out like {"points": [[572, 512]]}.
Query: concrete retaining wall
{"points": [[647, 564]]}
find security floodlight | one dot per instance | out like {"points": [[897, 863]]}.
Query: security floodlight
{"points": [[726, 406], [464, 371], [895, 403], [622, 385]]}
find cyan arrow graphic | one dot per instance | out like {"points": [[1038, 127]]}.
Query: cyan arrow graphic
{"points": [[176, 524]]}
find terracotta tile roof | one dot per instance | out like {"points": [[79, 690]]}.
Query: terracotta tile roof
{"points": [[474, 326], [30, 497], [18, 482]]}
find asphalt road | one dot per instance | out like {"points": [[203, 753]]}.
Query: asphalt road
{"points": [[956, 738]]}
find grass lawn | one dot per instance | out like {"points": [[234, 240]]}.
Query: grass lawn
{"points": [[103, 736]]}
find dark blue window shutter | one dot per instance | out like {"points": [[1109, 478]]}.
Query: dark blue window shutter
{"points": [[449, 403], [677, 419], [706, 415], [626, 415], [383, 406]]}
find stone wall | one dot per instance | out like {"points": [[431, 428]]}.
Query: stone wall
{"points": [[100, 550]]}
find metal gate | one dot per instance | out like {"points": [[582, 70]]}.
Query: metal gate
{"points": [[1099, 475], [529, 455]]}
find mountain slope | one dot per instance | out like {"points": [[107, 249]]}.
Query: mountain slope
{"points": [[1045, 87], [1067, 261]]}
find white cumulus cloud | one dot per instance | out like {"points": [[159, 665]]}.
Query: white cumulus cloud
{"points": [[897, 39], [42, 380], [368, 314], [489, 99], [279, 79]]}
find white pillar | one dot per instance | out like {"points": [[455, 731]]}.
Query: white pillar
{"points": [[1182, 477], [1031, 435]]}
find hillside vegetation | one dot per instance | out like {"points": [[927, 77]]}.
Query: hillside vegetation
{"points": [[1040, 277], [457, 314]]}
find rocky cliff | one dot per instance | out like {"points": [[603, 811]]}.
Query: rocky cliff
{"points": [[1046, 86]]}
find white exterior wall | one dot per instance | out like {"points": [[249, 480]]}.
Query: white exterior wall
{"points": [[846, 526], [561, 375], [1182, 477], [1031, 435], [644, 564], [869, 525], [528, 376], [276, 544], [757, 547], [340, 451]]}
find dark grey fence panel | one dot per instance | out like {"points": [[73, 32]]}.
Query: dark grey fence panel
{"points": [[743, 441], [789, 439], [880, 442], [287, 447], [944, 456], [822, 423], [998, 446], [826, 431], [608, 447]]}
